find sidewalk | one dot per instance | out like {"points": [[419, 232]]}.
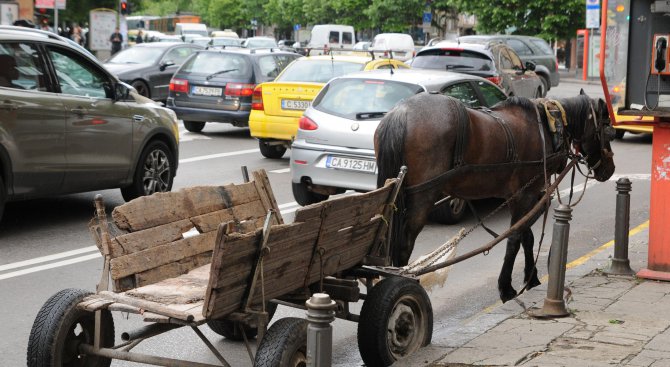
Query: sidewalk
{"points": [[571, 77], [614, 321]]}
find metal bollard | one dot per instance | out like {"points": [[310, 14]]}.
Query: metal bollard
{"points": [[320, 313], [554, 305], [620, 264]]}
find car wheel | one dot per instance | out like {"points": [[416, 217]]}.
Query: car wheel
{"points": [[3, 197], [271, 151], [154, 172], [304, 197], [545, 85], [618, 134], [194, 126], [142, 88]]}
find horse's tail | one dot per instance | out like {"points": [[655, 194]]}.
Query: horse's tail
{"points": [[390, 143]]}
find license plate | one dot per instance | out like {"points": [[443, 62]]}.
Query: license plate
{"points": [[291, 104], [351, 164], [207, 91]]}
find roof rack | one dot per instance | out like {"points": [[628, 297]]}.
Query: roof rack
{"points": [[253, 50]]}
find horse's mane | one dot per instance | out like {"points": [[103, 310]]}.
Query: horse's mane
{"points": [[576, 109], [524, 103]]}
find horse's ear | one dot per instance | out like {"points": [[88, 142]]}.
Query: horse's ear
{"points": [[581, 91]]}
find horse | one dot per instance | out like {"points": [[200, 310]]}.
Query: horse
{"points": [[503, 152]]}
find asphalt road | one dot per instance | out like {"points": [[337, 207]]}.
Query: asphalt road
{"points": [[45, 245]]}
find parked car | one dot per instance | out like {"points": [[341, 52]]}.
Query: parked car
{"points": [[396, 45], [362, 46], [216, 85], [286, 45], [148, 67], [528, 48], [494, 61], [225, 42], [201, 41], [277, 106], [332, 36], [68, 125], [259, 42], [225, 33], [333, 150]]}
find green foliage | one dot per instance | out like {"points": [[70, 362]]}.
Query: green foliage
{"points": [[395, 15]]}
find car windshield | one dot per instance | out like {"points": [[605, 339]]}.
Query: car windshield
{"points": [[260, 42], [453, 59], [210, 63], [363, 98], [317, 71], [226, 42], [137, 55]]}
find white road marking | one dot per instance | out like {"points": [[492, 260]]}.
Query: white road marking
{"points": [[218, 155], [283, 170], [185, 135], [285, 208]]}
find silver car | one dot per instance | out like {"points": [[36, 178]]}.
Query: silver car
{"points": [[334, 151]]}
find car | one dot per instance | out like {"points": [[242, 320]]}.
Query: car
{"points": [[216, 85], [201, 41], [286, 45], [528, 48], [333, 150], [494, 61], [148, 67], [225, 33], [362, 46], [69, 125], [277, 106], [397, 45], [259, 42], [80, 48], [168, 38], [225, 42]]}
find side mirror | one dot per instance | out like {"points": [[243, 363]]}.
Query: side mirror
{"points": [[530, 65], [121, 91], [164, 65]]}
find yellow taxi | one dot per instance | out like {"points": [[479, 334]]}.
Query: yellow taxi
{"points": [[277, 106], [627, 123]]}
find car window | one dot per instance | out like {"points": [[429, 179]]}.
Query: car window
{"points": [[137, 55], [464, 92], [519, 47], [229, 65], [77, 76], [542, 45], [347, 38], [317, 71], [516, 60], [284, 60], [21, 67], [504, 59], [334, 37], [178, 55], [269, 66], [453, 59], [348, 97], [491, 93]]}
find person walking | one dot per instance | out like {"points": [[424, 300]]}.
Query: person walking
{"points": [[140, 37], [116, 39]]}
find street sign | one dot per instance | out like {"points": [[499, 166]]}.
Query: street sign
{"points": [[427, 17], [49, 4], [592, 14], [296, 27]]}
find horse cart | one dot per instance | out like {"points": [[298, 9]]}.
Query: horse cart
{"points": [[222, 256]]}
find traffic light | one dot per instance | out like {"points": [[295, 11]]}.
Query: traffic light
{"points": [[125, 7]]}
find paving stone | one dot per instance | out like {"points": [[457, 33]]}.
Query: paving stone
{"points": [[660, 342], [587, 350], [648, 357]]}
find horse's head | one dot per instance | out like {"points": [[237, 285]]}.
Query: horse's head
{"points": [[594, 143]]}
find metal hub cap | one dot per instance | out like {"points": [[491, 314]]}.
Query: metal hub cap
{"points": [[403, 327], [156, 172]]}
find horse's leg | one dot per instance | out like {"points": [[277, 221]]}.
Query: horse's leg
{"points": [[529, 270], [507, 292]]}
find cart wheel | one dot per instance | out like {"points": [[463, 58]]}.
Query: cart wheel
{"points": [[284, 345], [60, 327], [396, 320], [230, 329]]}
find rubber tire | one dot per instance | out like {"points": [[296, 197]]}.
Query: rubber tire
{"points": [[136, 189], [284, 345], [194, 126], [142, 88], [450, 212], [545, 86], [57, 320], [618, 135], [271, 151], [3, 197], [231, 331], [374, 323], [304, 197]]}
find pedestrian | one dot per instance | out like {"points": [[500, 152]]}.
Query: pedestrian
{"points": [[116, 39], [77, 35], [140, 37]]}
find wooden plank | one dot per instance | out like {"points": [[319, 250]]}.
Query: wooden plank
{"points": [[356, 207], [210, 221], [161, 208], [173, 269], [148, 238], [185, 289], [267, 196], [175, 311], [161, 255]]}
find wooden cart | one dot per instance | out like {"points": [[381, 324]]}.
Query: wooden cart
{"points": [[221, 255]]}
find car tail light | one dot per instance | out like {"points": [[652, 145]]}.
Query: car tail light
{"points": [[495, 79], [257, 99], [556, 65], [239, 89], [179, 85], [305, 123]]}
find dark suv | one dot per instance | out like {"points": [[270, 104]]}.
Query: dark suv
{"points": [[529, 49], [67, 125], [217, 85]]}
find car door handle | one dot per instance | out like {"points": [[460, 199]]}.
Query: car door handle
{"points": [[9, 106], [138, 118]]}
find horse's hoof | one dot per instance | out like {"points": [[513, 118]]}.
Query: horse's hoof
{"points": [[508, 294]]}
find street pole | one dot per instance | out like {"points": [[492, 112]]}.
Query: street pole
{"points": [[56, 17]]}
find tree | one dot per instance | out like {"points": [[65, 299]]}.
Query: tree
{"points": [[395, 15]]}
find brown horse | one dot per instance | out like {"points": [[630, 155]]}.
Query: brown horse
{"points": [[474, 154]]}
